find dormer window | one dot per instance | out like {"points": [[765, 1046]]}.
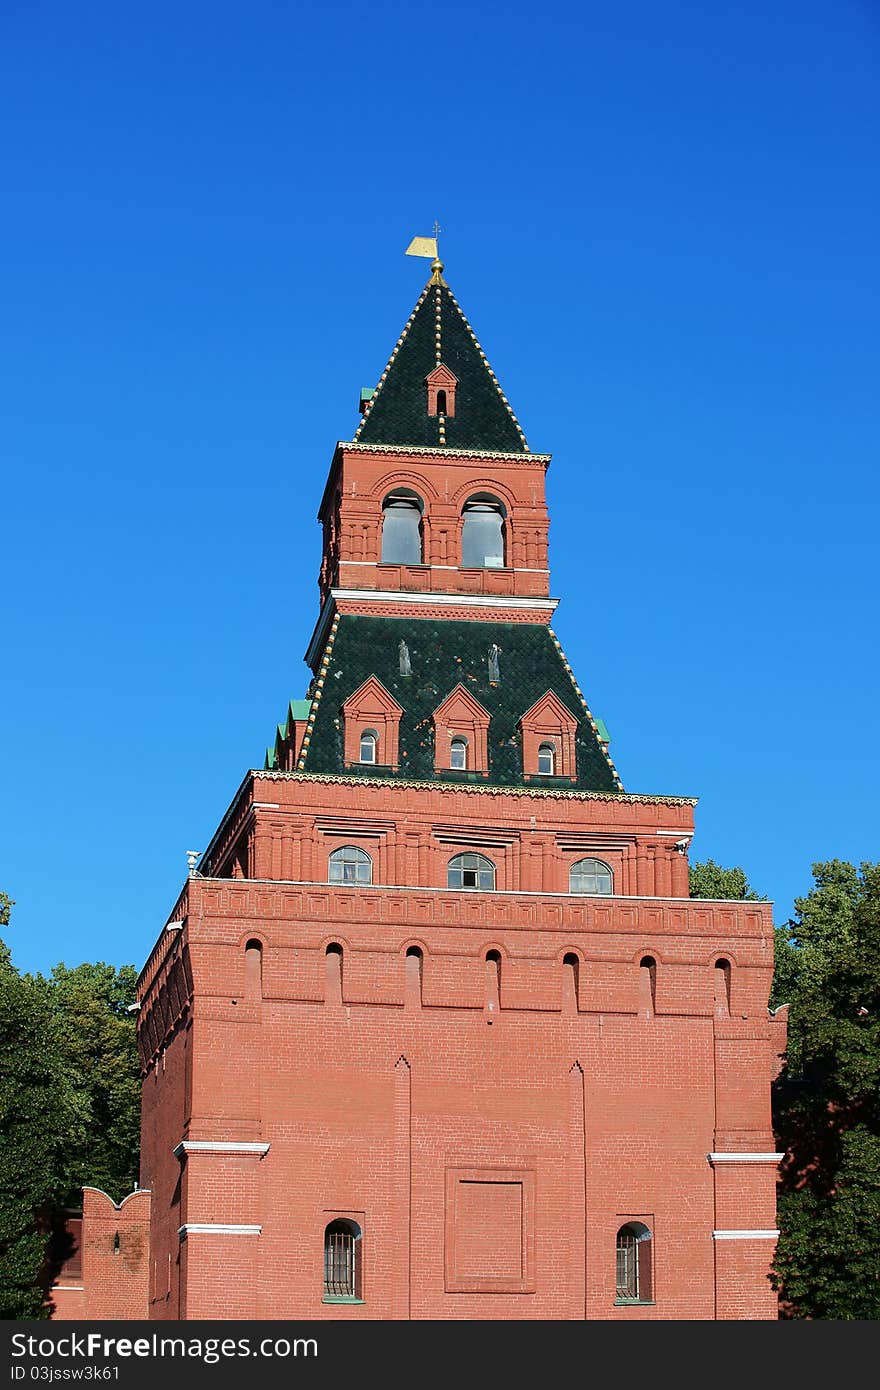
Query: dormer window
{"points": [[371, 720], [546, 760], [458, 754], [441, 385]]}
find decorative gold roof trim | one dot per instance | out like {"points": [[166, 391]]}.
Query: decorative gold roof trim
{"points": [[553, 793], [583, 699], [395, 350], [446, 453], [435, 280]]}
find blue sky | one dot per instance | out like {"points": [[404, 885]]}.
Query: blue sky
{"points": [[661, 220]]}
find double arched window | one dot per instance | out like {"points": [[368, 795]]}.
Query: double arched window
{"points": [[482, 532], [473, 871], [350, 865], [590, 876], [402, 528]]}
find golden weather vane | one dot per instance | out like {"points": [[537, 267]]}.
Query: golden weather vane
{"points": [[428, 246]]}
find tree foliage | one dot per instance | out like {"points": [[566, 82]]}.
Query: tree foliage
{"points": [[707, 879], [827, 1100], [69, 1106], [98, 1047], [36, 1113]]}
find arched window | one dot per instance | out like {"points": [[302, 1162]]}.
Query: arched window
{"points": [[471, 871], [647, 986], [369, 742], [441, 402], [722, 988], [590, 876], [402, 528], [547, 760], [413, 975], [570, 972], [482, 533], [634, 1263], [253, 970], [458, 753], [342, 1260], [350, 865]]}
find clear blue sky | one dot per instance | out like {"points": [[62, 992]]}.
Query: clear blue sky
{"points": [[661, 220]]}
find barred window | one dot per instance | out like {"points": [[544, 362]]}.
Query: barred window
{"points": [[471, 871], [342, 1260], [634, 1263], [590, 876], [350, 865]]}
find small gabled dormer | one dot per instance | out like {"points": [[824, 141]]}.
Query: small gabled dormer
{"points": [[548, 740], [461, 734], [372, 726], [441, 385]]}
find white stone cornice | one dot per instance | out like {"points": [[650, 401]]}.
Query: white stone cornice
{"points": [[219, 1146], [215, 1228], [744, 1157], [446, 600], [745, 1235]]}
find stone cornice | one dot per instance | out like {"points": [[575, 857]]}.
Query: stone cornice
{"points": [[541, 793]]}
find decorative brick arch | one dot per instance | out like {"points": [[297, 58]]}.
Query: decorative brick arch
{"points": [[418, 479], [549, 721], [460, 715], [372, 709]]}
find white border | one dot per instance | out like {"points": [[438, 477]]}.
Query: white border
{"points": [[745, 1158], [214, 1228], [744, 1235], [219, 1146], [540, 605]]}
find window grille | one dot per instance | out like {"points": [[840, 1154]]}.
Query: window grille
{"points": [[627, 1264], [342, 1260], [633, 1275]]}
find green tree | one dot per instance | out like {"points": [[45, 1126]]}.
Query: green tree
{"points": [[69, 1107], [827, 1101], [35, 1112], [707, 879], [97, 1038]]}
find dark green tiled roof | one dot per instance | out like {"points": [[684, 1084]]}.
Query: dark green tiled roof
{"points": [[397, 413], [444, 654]]}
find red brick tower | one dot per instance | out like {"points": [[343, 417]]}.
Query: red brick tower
{"points": [[435, 1030]]}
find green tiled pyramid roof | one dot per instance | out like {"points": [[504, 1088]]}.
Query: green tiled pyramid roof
{"points": [[397, 411], [444, 654]]}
